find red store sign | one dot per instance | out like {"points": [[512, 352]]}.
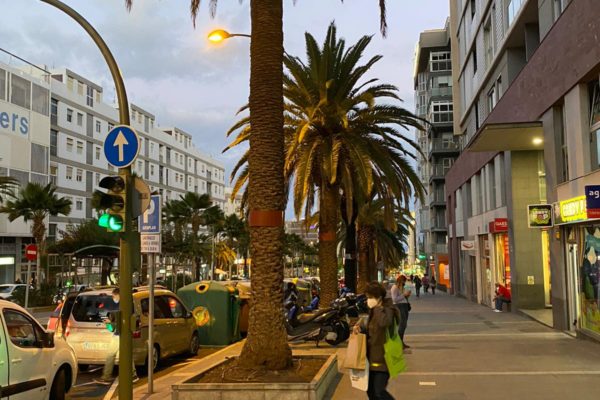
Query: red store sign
{"points": [[499, 225]]}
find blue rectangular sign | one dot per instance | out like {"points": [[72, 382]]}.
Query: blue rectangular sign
{"points": [[149, 221], [592, 197]]}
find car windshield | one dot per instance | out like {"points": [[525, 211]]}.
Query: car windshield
{"points": [[93, 308], [5, 288]]}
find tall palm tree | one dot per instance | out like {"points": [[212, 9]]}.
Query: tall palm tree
{"points": [[341, 139], [266, 344], [7, 184], [237, 237], [34, 203]]}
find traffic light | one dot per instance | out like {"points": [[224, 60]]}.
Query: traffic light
{"points": [[112, 202], [422, 256], [114, 322]]}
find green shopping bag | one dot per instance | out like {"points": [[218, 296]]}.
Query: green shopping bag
{"points": [[394, 354]]}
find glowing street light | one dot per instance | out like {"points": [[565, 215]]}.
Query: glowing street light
{"points": [[217, 36]]}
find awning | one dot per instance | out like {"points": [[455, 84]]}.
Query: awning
{"points": [[509, 137]]}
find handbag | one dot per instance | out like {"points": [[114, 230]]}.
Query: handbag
{"points": [[394, 354], [356, 353], [360, 378]]}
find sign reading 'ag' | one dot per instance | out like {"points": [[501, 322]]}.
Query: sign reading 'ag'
{"points": [[121, 146]]}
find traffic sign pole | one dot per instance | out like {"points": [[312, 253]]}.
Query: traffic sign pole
{"points": [[151, 324], [27, 283]]}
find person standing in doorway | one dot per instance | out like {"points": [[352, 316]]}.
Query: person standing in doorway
{"points": [[400, 299], [426, 282], [433, 284], [382, 316], [502, 296], [418, 284]]}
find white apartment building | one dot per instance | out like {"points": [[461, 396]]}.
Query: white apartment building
{"points": [[233, 206], [57, 122]]}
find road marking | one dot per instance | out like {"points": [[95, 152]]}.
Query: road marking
{"points": [[112, 390], [427, 384], [500, 373], [85, 384], [514, 335]]}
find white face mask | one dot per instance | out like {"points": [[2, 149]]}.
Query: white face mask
{"points": [[372, 303]]}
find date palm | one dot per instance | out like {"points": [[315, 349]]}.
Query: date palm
{"points": [[34, 203], [266, 344]]}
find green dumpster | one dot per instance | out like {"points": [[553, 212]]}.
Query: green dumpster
{"points": [[216, 309]]}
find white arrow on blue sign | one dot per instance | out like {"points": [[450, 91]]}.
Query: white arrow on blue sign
{"points": [[121, 146], [149, 221]]}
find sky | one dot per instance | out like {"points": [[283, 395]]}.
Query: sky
{"points": [[172, 71]]}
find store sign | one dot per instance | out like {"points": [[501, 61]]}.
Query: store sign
{"points": [[592, 199], [571, 210], [11, 122], [499, 225], [150, 243], [467, 245], [540, 215]]}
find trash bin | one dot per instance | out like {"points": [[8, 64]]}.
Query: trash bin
{"points": [[216, 309]]}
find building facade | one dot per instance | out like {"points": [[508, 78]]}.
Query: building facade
{"points": [[440, 147], [67, 120], [529, 89], [233, 205]]}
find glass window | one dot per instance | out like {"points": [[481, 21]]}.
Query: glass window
{"points": [[22, 330], [20, 91], [80, 88], [97, 152], [39, 158], [79, 147], [2, 84], [177, 309], [161, 306], [513, 8], [80, 119], [69, 115], [590, 279], [69, 173], [93, 308], [90, 96], [79, 205], [70, 83], [41, 99], [596, 149], [79, 175], [54, 109], [110, 126], [440, 61], [69, 145], [97, 178], [98, 126], [53, 142]]}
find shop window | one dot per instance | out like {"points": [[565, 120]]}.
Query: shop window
{"points": [[594, 99], [590, 277]]}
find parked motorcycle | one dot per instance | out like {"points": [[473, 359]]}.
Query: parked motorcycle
{"points": [[328, 324], [357, 304]]}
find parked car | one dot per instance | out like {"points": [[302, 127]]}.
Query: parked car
{"points": [[8, 290], [85, 327], [34, 365]]}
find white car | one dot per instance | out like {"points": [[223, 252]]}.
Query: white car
{"points": [[9, 289], [32, 365]]}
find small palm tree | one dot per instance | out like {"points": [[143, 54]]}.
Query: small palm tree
{"points": [[34, 203], [7, 184]]}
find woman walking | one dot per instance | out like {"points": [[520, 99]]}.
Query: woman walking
{"points": [[418, 284], [400, 299], [382, 315]]}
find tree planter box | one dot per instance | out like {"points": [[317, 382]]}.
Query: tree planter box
{"points": [[317, 389]]}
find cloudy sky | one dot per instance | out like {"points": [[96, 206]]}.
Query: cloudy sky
{"points": [[172, 71]]}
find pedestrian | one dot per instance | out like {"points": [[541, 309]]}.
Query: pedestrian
{"points": [[418, 284], [109, 362], [426, 282], [502, 296], [412, 277], [382, 316], [432, 283], [400, 297]]}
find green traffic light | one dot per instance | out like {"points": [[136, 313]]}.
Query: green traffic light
{"points": [[111, 222]]}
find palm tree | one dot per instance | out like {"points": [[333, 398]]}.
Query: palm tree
{"points": [[237, 237], [7, 184], [340, 140], [266, 344], [34, 203]]}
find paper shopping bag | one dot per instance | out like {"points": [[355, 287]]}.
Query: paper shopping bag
{"points": [[356, 354], [360, 378]]}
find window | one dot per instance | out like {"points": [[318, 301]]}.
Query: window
{"points": [[594, 99], [79, 147], [98, 96], [22, 330], [151, 169], [54, 110], [441, 111], [20, 91], [473, 9], [97, 178], [151, 148], [69, 173], [70, 83], [492, 98], [177, 309], [513, 8], [93, 308], [474, 61], [2, 84], [488, 43], [79, 205], [476, 105], [140, 118], [559, 7], [79, 175], [97, 152], [39, 158], [440, 61], [51, 229], [69, 145], [41, 98], [69, 115], [90, 96], [98, 126], [80, 88], [110, 126], [53, 142], [80, 119]]}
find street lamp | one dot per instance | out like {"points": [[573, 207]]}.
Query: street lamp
{"points": [[217, 36]]}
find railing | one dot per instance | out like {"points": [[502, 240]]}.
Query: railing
{"points": [[439, 171], [440, 92], [436, 197], [444, 145], [438, 222]]}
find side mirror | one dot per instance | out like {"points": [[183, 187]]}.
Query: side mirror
{"points": [[47, 340]]}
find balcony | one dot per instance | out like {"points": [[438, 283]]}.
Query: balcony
{"points": [[438, 171], [436, 199], [440, 92], [444, 145], [438, 223], [439, 248]]}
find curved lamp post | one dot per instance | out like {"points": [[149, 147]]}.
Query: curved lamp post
{"points": [[219, 35]]}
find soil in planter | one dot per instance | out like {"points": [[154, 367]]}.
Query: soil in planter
{"points": [[303, 370]]}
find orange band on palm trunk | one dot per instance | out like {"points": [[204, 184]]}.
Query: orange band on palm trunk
{"points": [[265, 218], [327, 236]]}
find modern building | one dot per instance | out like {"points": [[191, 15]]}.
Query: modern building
{"points": [[440, 147], [310, 234], [527, 84], [52, 128], [233, 206]]}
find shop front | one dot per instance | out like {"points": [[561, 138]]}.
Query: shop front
{"points": [[582, 254], [499, 232]]}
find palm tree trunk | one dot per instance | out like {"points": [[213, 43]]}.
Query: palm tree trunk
{"points": [[363, 258], [266, 344], [350, 257], [329, 201]]}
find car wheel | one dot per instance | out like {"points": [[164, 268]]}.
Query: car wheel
{"points": [[194, 345], [83, 367], [58, 389], [339, 330], [155, 359]]}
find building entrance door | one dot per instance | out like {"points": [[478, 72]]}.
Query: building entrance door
{"points": [[572, 285], [486, 271]]}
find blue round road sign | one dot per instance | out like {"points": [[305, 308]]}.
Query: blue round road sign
{"points": [[121, 146]]}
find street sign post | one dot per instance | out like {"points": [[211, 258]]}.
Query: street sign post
{"points": [[30, 255], [149, 227], [592, 199], [121, 146]]}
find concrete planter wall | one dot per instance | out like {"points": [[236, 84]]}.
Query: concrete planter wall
{"points": [[317, 389]]}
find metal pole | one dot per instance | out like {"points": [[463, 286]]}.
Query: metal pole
{"points": [[151, 323], [212, 256], [27, 283], [129, 259]]}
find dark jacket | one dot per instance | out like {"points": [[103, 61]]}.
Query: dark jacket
{"points": [[380, 319]]}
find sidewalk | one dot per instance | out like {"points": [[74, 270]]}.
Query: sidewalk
{"points": [[461, 350]]}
